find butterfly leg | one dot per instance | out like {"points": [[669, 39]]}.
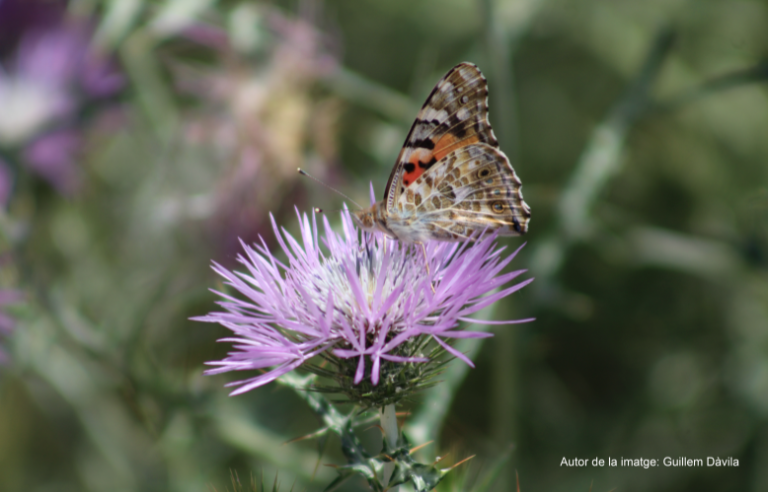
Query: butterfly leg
{"points": [[426, 263]]}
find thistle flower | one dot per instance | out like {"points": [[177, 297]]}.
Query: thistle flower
{"points": [[368, 309]]}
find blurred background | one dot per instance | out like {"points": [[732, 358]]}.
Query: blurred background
{"points": [[139, 139]]}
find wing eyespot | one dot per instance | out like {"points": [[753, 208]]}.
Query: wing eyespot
{"points": [[498, 207]]}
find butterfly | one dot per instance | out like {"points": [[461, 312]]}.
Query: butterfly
{"points": [[450, 180]]}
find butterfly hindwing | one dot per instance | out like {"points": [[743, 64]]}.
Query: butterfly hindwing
{"points": [[454, 115], [471, 189]]}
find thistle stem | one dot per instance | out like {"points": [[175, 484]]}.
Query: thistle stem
{"points": [[389, 425]]}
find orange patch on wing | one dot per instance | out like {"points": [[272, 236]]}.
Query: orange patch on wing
{"points": [[422, 156], [448, 143]]}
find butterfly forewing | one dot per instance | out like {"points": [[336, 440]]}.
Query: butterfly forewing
{"points": [[454, 115]]}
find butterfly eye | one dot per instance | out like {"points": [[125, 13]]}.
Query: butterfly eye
{"points": [[498, 207]]}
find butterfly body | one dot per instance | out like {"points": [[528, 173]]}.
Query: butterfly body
{"points": [[451, 180]]}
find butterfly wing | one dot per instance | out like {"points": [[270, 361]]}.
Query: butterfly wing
{"points": [[473, 188], [454, 115]]}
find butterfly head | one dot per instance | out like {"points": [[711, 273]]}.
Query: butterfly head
{"points": [[364, 219]]}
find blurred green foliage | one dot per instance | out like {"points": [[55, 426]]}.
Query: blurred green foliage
{"points": [[639, 129]]}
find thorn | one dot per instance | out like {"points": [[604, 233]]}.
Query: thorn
{"points": [[312, 435], [413, 450], [517, 480], [462, 462]]}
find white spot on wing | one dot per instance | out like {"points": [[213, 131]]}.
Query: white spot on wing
{"points": [[462, 114], [434, 114], [423, 155]]}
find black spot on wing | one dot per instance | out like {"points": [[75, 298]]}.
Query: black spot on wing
{"points": [[427, 165], [409, 167], [483, 130], [516, 224], [424, 143], [458, 128]]}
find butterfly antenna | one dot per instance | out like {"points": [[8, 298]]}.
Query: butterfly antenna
{"points": [[304, 173]]}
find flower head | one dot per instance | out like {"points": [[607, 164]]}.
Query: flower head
{"points": [[364, 303]]}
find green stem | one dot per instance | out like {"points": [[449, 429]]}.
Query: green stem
{"points": [[597, 164], [389, 425]]}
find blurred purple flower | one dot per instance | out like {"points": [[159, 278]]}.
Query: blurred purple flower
{"points": [[52, 73], [261, 121], [29, 105], [17, 16], [7, 324], [99, 77], [54, 158], [360, 300]]}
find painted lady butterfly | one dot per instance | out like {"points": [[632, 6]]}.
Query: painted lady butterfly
{"points": [[451, 179]]}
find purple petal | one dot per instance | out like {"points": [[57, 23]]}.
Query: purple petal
{"points": [[360, 370], [505, 322], [455, 352]]}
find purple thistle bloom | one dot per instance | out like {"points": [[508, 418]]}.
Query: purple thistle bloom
{"points": [[356, 302]]}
